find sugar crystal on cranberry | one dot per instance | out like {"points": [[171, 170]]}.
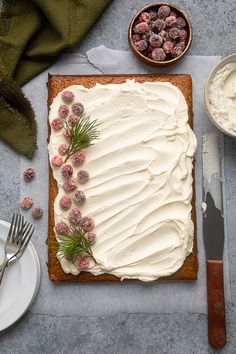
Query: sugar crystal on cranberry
{"points": [[173, 13], [29, 175], [91, 237], [144, 17], [180, 22], [158, 25], [155, 40], [177, 51], [137, 37], [87, 223], [37, 212], [78, 157], [74, 216], [165, 35], [174, 33], [26, 202], [61, 228], [83, 176], [67, 96], [65, 202], [77, 108], [141, 45], [183, 34], [163, 11], [170, 21], [56, 161], [69, 186], [79, 198], [82, 263], [141, 27], [56, 124], [158, 54], [168, 47], [63, 111], [67, 171], [63, 149], [72, 119]]}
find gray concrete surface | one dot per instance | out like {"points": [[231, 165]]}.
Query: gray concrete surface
{"points": [[214, 26]]}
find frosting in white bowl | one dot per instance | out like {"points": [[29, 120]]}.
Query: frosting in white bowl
{"points": [[140, 188]]}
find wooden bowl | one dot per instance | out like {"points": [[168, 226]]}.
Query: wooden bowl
{"points": [[155, 6]]}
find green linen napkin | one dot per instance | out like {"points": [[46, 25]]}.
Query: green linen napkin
{"points": [[32, 35]]}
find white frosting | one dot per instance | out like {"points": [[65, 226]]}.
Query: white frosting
{"points": [[140, 188], [222, 92]]}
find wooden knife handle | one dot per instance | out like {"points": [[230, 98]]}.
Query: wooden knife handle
{"points": [[216, 304]]}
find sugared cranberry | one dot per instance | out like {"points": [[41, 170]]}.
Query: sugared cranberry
{"points": [[67, 171], [63, 111], [69, 186], [180, 22], [56, 124], [63, 149], [65, 202], [78, 158], [57, 161], [158, 54], [82, 263], [79, 198], [158, 25], [83, 176], [91, 237], [26, 202], [173, 13], [163, 11], [61, 228], [72, 119], [67, 96], [144, 17], [164, 35], [141, 27], [29, 175], [181, 45], [137, 37], [37, 212], [87, 223], [174, 33], [155, 40], [170, 21], [74, 216], [141, 45], [183, 34], [77, 108], [168, 47], [177, 51]]}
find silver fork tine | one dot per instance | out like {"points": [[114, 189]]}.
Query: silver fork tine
{"points": [[27, 239], [11, 228], [27, 233], [14, 231], [20, 228]]}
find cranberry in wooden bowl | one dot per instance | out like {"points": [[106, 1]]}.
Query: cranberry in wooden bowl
{"points": [[160, 34]]}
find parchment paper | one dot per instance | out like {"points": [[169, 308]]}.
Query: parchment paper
{"points": [[66, 299]]}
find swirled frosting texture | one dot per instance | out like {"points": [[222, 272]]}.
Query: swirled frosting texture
{"points": [[140, 189]]}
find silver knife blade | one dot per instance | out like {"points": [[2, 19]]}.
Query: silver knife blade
{"points": [[213, 216]]}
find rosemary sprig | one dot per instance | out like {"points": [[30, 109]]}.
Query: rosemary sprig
{"points": [[74, 243], [81, 134]]}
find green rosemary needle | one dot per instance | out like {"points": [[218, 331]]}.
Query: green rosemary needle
{"points": [[74, 243], [81, 134]]}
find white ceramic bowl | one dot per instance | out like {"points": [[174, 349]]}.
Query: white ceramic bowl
{"points": [[229, 59]]}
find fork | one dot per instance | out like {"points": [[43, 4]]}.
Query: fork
{"points": [[19, 235]]}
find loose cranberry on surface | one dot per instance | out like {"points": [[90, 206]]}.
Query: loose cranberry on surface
{"points": [[56, 124], [83, 176], [79, 198], [67, 171], [158, 54], [78, 158], [77, 108], [63, 111], [163, 11], [141, 46], [63, 149], [74, 216], [69, 186], [141, 27], [67, 96], [158, 25], [87, 223], [26, 202], [155, 40], [29, 175], [65, 202], [57, 161], [82, 263], [61, 228], [37, 212]]}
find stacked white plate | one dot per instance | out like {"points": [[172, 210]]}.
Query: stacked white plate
{"points": [[20, 283]]}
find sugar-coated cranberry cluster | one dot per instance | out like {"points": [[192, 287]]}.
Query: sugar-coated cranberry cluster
{"points": [[160, 35], [70, 184]]}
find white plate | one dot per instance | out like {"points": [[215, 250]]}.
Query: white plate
{"points": [[20, 283]]}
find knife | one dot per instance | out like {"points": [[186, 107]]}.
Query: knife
{"points": [[213, 235]]}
